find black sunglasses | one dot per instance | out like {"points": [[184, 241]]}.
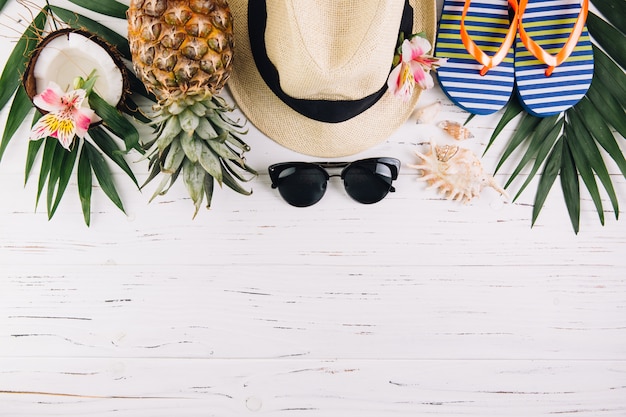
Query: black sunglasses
{"points": [[303, 184]]}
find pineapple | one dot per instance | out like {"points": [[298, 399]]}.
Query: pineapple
{"points": [[182, 51]]}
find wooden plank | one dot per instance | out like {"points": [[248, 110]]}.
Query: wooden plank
{"points": [[350, 311], [192, 387]]}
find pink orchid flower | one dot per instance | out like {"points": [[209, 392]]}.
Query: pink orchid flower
{"points": [[414, 68], [65, 118]]}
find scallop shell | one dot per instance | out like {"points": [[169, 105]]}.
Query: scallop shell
{"points": [[456, 130], [455, 172], [427, 114]]}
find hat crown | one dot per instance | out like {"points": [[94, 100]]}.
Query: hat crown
{"points": [[332, 49]]}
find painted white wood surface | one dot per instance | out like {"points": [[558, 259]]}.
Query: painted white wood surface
{"points": [[413, 306]]}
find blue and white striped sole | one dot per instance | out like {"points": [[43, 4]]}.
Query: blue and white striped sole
{"points": [[549, 23], [487, 23]]}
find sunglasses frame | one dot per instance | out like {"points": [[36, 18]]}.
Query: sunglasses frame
{"points": [[393, 164]]}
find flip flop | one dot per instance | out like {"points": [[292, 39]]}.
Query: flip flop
{"points": [[553, 55], [476, 37]]}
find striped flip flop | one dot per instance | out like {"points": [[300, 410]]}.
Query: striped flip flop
{"points": [[477, 37], [553, 55]]}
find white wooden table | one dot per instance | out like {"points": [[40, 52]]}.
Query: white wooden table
{"points": [[413, 306]]}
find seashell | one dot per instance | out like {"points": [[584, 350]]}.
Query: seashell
{"points": [[427, 114], [455, 172], [456, 130]]}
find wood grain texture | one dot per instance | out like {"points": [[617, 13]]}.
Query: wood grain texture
{"points": [[413, 306]]}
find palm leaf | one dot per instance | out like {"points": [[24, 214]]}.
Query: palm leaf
{"points": [[570, 185], [611, 10], [16, 64], [550, 172], [20, 108], [573, 144], [107, 145], [83, 173], [78, 21], [62, 178], [106, 7], [103, 174]]}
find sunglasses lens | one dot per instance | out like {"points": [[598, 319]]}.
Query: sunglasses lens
{"points": [[368, 182], [302, 186]]}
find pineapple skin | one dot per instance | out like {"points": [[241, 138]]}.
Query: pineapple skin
{"points": [[181, 48]]}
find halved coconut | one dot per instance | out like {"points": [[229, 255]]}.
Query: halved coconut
{"points": [[66, 54]]}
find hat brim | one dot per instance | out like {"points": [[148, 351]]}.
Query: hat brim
{"points": [[299, 133]]}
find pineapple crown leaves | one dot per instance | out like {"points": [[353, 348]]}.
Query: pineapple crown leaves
{"points": [[197, 139], [572, 145], [91, 155]]}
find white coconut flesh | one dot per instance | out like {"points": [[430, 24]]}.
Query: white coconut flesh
{"points": [[74, 55]]}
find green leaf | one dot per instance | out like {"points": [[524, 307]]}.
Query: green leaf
{"points": [[208, 189], [46, 164], [107, 145], [570, 186], [233, 184], [524, 130], [598, 128], [115, 121], [84, 184], [544, 127], [608, 107], [611, 39], [106, 7], [609, 74], [550, 172], [542, 154], [585, 149], [33, 149], [193, 177], [582, 163], [2, 4], [78, 21], [512, 109], [16, 64], [103, 174], [20, 108], [210, 162], [613, 11], [66, 169], [55, 173]]}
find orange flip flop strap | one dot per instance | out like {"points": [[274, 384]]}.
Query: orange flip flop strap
{"points": [[478, 54], [553, 61]]}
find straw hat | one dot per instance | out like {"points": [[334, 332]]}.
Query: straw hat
{"points": [[321, 88]]}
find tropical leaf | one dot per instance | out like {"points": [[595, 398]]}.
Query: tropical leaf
{"points": [[49, 150], [570, 186], [611, 11], [107, 145], [550, 172], [20, 108], [78, 21], [83, 173], [512, 109], [586, 151], [106, 7], [116, 122], [526, 127], [542, 153], [16, 64], [537, 138], [103, 174], [62, 176], [572, 145], [608, 37]]}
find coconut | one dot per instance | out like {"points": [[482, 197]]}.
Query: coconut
{"points": [[66, 54]]}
